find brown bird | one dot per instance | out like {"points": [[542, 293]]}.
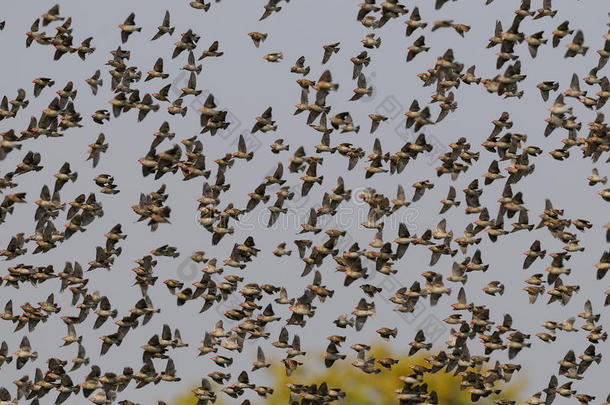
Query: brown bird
{"points": [[414, 22], [212, 51], [370, 42], [324, 83], [64, 175], [361, 90], [94, 81], [534, 41], [560, 32], [200, 5], [264, 122], [545, 11], [40, 83], [329, 50], [164, 28], [576, 46], [417, 47], [310, 178], [274, 57], [157, 71], [129, 27], [96, 148], [299, 67], [257, 37], [365, 8], [51, 16], [546, 87]]}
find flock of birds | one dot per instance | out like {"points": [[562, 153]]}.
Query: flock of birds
{"points": [[479, 375]]}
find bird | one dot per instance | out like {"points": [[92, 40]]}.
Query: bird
{"points": [[212, 51], [51, 15], [157, 71], [362, 89], [164, 28], [254, 306], [257, 37], [299, 67], [274, 57], [129, 27], [200, 5], [416, 48], [329, 50], [576, 46]]}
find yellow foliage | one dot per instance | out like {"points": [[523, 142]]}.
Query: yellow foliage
{"points": [[368, 389], [185, 399]]}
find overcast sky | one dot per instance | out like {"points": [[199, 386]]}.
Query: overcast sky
{"points": [[245, 85]]}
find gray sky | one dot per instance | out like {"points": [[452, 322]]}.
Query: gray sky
{"points": [[246, 85]]}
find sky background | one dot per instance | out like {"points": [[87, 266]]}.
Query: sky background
{"points": [[245, 85]]}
